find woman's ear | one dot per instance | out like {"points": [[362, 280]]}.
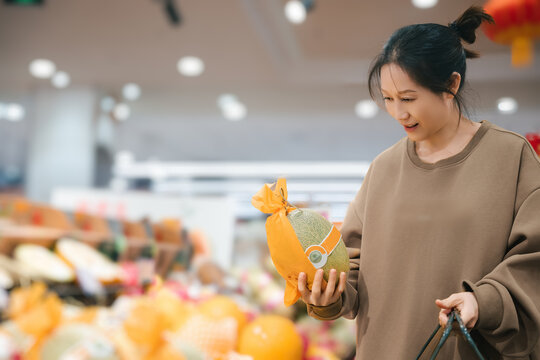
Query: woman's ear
{"points": [[454, 82]]}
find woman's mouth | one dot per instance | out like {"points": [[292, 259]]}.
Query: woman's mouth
{"points": [[411, 127]]}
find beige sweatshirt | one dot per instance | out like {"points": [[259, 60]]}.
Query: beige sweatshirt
{"points": [[425, 231]]}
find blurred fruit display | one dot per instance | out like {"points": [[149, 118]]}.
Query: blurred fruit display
{"points": [[271, 337]]}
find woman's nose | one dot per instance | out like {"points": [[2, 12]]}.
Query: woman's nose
{"points": [[399, 112], [403, 115]]}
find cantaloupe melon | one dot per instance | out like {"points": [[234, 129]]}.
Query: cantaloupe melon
{"points": [[83, 257], [299, 240], [44, 262], [16, 269], [78, 341], [6, 281], [312, 229]]}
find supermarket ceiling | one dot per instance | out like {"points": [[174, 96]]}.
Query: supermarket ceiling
{"points": [[283, 72], [244, 42]]}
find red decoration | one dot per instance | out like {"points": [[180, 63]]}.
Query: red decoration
{"points": [[517, 23], [534, 139]]}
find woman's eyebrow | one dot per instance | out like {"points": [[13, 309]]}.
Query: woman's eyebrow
{"points": [[406, 91], [402, 91]]}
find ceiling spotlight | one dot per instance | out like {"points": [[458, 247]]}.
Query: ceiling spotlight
{"points": [[60, 80], [424, 4], [107, 104], [190, 66], [121, 112], [131, 91], [14, 112], [225, 99], [366, 109], [295, 11], [234, 111], [507, 105], [42, 68]]}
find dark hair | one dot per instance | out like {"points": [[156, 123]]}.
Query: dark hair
{"points": [[430, 53]]}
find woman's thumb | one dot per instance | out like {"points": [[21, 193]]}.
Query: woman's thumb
{"points": [[445, 303]]}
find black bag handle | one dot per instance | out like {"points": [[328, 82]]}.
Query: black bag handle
{"points": [[454, 315]]}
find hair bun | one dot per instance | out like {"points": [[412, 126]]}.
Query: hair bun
{"points": [[465, 26]]}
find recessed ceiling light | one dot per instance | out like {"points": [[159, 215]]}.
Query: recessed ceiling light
{"points": [[295, 12], [107, 104], [225, 99], [366, 109], [190, 66], [14, 112], [131, 91], [234, 111], [507, 105], [60, 79], [424, 4], [121, 111], [42, 68]]}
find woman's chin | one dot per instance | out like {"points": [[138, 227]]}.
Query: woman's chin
{"points": [[413, 137]]}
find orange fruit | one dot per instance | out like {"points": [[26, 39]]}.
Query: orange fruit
{"points": [[221, 307], [271, 337]]}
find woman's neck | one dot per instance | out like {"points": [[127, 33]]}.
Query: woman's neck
{"points": [[449, 141]]}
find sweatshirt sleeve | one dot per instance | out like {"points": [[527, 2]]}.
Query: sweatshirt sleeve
{"points": [[351, 231], [509, 296]]}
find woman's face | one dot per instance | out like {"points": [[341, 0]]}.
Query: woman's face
{"points": [[422, 113]]}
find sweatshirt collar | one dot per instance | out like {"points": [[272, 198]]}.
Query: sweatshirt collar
{"points": [[413, 156]]}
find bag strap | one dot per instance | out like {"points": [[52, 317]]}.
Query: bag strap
{"points": [[454, 315]]}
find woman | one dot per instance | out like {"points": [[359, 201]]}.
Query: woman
{"points": [[450, 212]]}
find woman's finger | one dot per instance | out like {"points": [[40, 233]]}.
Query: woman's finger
{"points": [[464, 302], [443, 318], [330, 287], [302, 286], [342, 282], [448, 303], [317, 285]]}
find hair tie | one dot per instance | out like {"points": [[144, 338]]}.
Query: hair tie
{"points": [[454, 26]]}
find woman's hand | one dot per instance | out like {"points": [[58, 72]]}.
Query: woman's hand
{"points": [[317, 296], [465, 303]]}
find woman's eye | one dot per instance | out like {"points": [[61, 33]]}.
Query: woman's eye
{"points": [[407, 100], [386, 98]]}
